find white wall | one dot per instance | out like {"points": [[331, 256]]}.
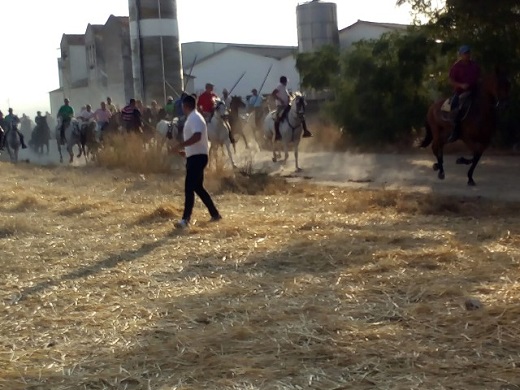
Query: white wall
{"points": [[225, 68], [362, 31], [78, 63]]}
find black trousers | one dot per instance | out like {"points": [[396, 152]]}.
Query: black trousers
{"points": [[194, 184]]}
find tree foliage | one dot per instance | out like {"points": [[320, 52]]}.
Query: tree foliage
{"points": [[382, 87]]}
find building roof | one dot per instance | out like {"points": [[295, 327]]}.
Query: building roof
{"points": [[124, 20], [73, 39], [367, 23], [276, 52]]}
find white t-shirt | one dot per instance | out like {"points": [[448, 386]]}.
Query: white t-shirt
{"points": [[282, 94], [86, 115], [195, 123]]}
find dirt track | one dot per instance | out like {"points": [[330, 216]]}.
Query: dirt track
{"points": [[496, 176]]}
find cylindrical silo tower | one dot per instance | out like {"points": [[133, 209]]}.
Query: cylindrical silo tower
{"points": [[317, 25], [156, 53]]}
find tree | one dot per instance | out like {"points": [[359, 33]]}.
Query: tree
{"points": [[318, 69]]}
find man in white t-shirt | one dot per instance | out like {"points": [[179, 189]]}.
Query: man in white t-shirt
{"points": [[196, 150], [282, 98], [86, 115]]}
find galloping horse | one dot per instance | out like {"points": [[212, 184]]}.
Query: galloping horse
{"points": [[167, 132], [72, 137], [40, 137], [235, 121], [291, 129], [12, 143], [477, 127], [219, 129]]}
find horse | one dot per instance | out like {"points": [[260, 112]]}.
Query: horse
{"points": [[291, 128], [12, 143], [72, 137], [219, 130], [477, 127], [89, 142], [167, 132], [40, 137], [235, 121]]}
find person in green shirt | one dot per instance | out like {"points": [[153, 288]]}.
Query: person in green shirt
{"points": [[169, 108], [66, 113]]}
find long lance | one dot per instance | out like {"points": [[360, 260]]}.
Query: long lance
{"points": [[265, 79], [189, 74], [234, 86]]}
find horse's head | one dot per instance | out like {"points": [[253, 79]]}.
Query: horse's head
{"points": [[221, 109], [236, 103], [498, 86], [298, 104]]}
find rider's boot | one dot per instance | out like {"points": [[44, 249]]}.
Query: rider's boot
{"points": [[2, 141], [22, 141], [277, 136], [455, 134], [306, 132]]}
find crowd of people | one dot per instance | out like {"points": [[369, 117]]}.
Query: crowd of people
{"points": [[136, 115]]}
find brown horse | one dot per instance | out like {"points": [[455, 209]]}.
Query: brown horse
{"points": [[478, 125]]}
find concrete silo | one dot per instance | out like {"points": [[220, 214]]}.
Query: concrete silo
{"points": [[156, 53], [317, 25]]}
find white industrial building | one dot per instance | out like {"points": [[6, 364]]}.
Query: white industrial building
{"points": [[103, 62]]}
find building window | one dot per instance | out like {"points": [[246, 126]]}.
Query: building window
{"points": [[91, 54]]}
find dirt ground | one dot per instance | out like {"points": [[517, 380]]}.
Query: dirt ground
{"points": [[496, 175]]}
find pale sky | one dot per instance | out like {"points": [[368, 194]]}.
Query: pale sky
{"points": [[31, 31]]}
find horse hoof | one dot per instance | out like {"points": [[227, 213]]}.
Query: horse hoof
{"points": [[274, 159], [441, 175], [436, 167], [299, 170], [471, 183]]}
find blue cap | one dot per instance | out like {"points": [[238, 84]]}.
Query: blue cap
{"points": [[464, 49]]}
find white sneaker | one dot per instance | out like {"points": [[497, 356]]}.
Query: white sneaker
{"points": [[182, 224]]}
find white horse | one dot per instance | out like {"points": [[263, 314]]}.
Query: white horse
{"points": [[219, 129], [72, 137], [291, 129], [12, 143], [167, 133]]}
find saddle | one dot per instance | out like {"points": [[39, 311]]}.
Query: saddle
{"points": [[449, 113]]}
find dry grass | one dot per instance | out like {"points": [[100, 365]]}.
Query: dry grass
{"points": [[127, 151], [298, 287]]}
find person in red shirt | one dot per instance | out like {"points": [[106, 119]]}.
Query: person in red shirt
{"points": [[464, 77], [206, 101]]}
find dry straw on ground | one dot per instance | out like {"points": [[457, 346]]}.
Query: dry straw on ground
{"points": [[298, 287]]}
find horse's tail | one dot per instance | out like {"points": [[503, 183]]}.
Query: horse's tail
{"points": [[428, 138]]}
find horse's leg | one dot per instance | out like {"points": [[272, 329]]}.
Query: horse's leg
{"points": [[228, 147], [437, 149], [298, 169], [286, 151], [476, 159], [59, 151]]}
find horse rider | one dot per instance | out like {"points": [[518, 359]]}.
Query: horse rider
{"points": [[2, 129], [255, 103], [206, 102], [66, 113], [464, 77], [155, 112], [169, 108], [131, 117], [281, 96], [86, 115], [226, 98], [12, 121], [102, 116], [111, 107]]}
